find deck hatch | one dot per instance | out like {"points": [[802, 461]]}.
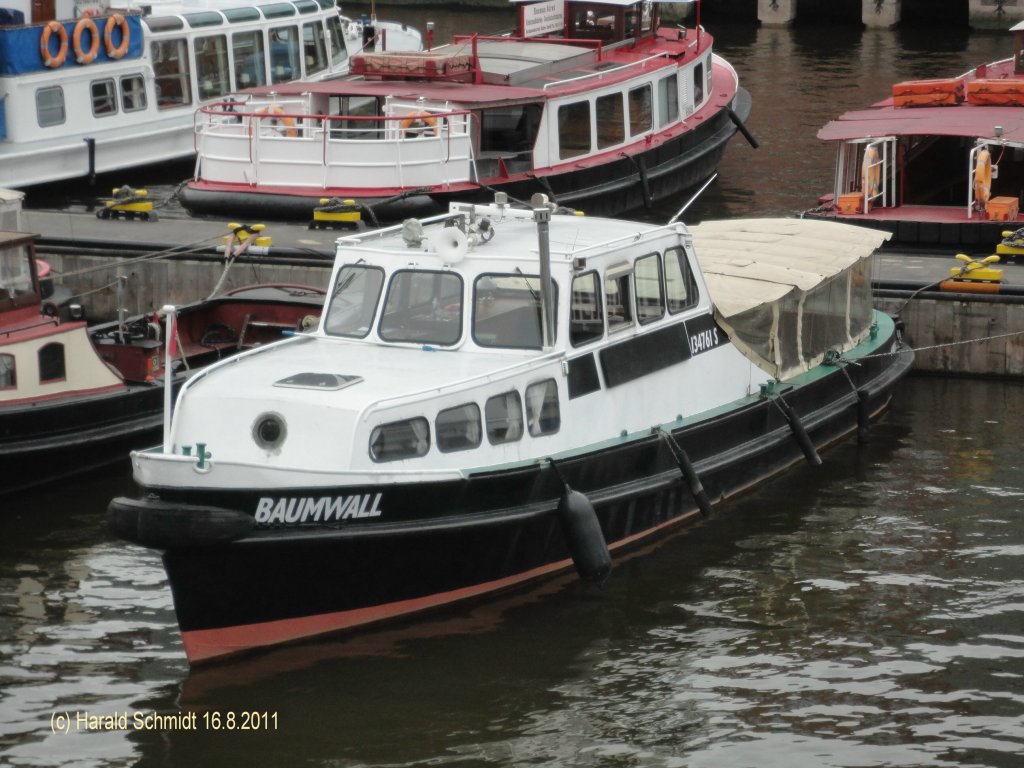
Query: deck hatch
{"points": [[323, 381]]}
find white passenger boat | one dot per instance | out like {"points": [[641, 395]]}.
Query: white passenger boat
{"points": [[91, 88], [596, 104], [495, 395]]}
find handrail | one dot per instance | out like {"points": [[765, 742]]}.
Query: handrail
{"points": [[602, 73], [595, 42]]}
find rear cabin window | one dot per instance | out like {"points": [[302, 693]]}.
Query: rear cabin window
{"points": [[50, 106], [542, 413], [250, 65], [506, 311], [698, 84], [680, 288], [104, 98], [133, 93], [423, 307], [611, 129], [212, 67], [8, 372], [353, 301], [650, 298], [314, 47], [171, 73], [503, 415], [51, 363], [668, 100], [640, 110], [617, 298], [587, 322], [574, 129]]}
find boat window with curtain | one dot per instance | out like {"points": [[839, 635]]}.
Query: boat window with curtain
{"points": [[51, 363], [503, 415], [400, 440], [104, 97], [50, 106], [542, 413], [133, 93], [458, 429]]}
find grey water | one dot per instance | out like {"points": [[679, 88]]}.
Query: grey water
{"points": [[868, 613]]}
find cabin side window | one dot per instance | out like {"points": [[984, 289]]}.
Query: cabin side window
{"points": [[668, 100], [650, 298], [171, 73], [339, 53], [353, 301], [542, 414], [212, 67], [574, 129], [247, 53], [133, 93], [104, 97], [611, 129], [284, 54], [397, 440], [458, 429], [506, 311], [51, 363], [503, 415], [617, 298], [8, 372], [314, 47], [587, 322], [681, 289], [423, 307], [50, 106], [698, 84], [640, 110], [510, 129]]}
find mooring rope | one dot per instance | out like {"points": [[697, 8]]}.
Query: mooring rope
{"points": [[980, 340], [176, 251]]}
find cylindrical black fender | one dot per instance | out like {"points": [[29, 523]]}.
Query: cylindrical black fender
{"points": [[584, 537]]}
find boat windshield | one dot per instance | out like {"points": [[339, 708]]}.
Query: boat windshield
{"points": [[15, 272], [423, 307], [353, 301], [506, 311]]}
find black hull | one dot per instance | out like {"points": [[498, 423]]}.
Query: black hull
{"points": [[446, 542], [51, 441], [612, 188], [947, 234]]}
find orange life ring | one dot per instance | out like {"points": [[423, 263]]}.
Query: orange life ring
{"points": [[278, 116], [421, 120], [52, 28], [983, 176], [117, 21], [83, 26]]}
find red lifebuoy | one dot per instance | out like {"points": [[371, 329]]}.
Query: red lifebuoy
{"points": [[53, 60], [117, 21], [83, 56]]}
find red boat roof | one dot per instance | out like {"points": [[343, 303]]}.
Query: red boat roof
{"points": [[961, 120]]}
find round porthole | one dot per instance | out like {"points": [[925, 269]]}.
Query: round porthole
{"points": [[269, 430]]}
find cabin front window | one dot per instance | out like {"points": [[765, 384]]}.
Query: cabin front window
{"points": [[400, 440], [423, 307], [458, 429], [250, 66], [617, 298], [104, 98], [504, 417], [353, 301], [680, 287], [507, 312], [50, 106], [133, 93], [314, 47], [51, 363], [212, 67], [668, 100], [8, 372], [611, 129], [171, 71], [574, 129], [542, 414], [650, 299], [640, 110], [339, 53], [284, 54], [587, 322]]}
